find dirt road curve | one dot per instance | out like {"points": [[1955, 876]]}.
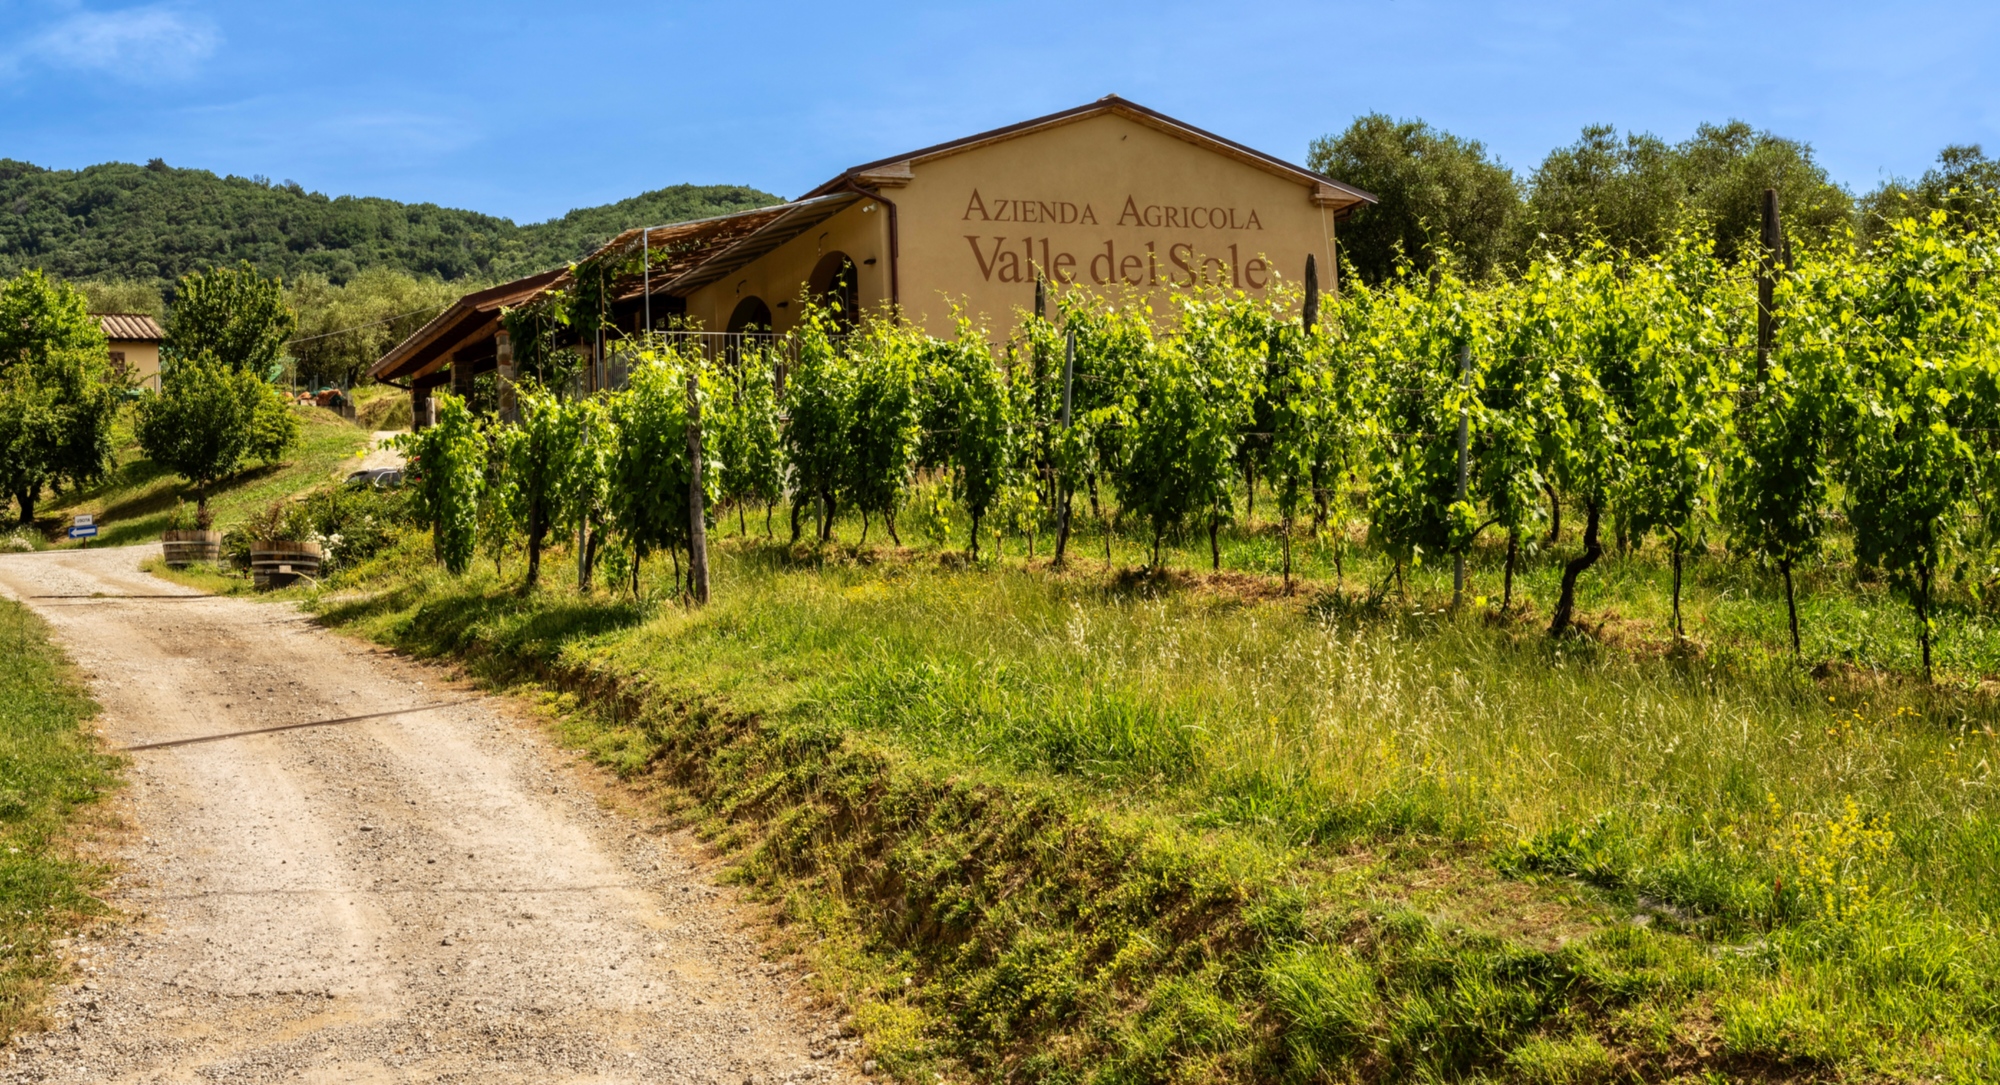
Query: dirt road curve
{"points": [[432, 897]]}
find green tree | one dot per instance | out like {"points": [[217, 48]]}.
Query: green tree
{"points": [[207, 418], [123, 296], [539, 333], [448, 465], [885, 423], [1965, 184], [546, 460], [1436, 190], [819, 401], [747, 439], [1184, 418], [156, 222], [1416, 331], [1590, 435], [972, 420], [1341, 419], [1634, 194], [1112, 343], [1521, 405], [1627, 193], [1303, 423], [1778, 470], [234, 316], [344, 328], [1682, 379], [58, 392], [583, 481], [1725, 170], [651, 473], [1921, 359], [500, 508]]}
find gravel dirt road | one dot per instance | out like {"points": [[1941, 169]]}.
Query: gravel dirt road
{"points": [[380, 452], [440, 896]]}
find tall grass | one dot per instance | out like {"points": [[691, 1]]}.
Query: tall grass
{"points": [[1478, 816], [50, 771]]}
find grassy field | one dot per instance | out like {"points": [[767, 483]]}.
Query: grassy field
{"points": [[1105, 824], [51, 771], [132, 505]]}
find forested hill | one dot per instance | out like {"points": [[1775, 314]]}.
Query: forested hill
{"points": [[156, 222]]}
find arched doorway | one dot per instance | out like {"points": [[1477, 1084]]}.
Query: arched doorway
{"points": [[751, 315], [836, 283]]}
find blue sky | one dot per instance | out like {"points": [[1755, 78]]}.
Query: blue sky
{"points": [[528, 110]]}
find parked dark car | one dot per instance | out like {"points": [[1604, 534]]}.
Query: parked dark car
{"points": [[380, 478]]}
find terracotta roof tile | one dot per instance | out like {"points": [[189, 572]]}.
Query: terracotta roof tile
{"points": [[129, 326]]}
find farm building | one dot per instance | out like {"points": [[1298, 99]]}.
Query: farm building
{"points": [[1111, 195], [134, 340]]}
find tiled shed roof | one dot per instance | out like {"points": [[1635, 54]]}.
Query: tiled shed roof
{"points": [[130, 326]]}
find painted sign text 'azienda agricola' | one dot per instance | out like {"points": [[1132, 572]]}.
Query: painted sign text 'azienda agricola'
{"points": [[1110, 261]]}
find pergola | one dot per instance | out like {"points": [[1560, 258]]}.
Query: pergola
{"points": [[655, 268]]}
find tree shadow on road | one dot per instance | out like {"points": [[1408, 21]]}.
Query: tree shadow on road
{"points": [[489, 620]]}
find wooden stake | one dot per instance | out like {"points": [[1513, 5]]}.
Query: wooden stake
{"points": [[1069, 375], [697, 513], [1311, 312], [1767, 281], [1464, 376]]}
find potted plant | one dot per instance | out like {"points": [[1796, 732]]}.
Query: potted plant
{"points": [[283, 545], [189, 537]]}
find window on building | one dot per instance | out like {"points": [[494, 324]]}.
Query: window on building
{"points": [[751, 315], [836, 283]]}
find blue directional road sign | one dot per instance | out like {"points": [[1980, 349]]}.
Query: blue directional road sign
{"points": [[83, 532]]}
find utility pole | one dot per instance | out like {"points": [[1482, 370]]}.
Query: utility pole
{"points": [[697, 510], [1464, 378]]}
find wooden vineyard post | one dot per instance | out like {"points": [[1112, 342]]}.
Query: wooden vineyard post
{"points": [[1309, 315], [1767, 266], [697, 512], [1458, 559], [1069, 374]]}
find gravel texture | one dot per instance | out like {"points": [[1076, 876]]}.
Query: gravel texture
{"points": [[441, 896]]}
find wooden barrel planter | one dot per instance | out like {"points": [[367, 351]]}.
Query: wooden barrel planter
{"points": [[278, 563], [184, 548]]}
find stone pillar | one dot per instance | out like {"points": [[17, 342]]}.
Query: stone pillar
{"points": [[420, 406], [461, 379], [503, 377]]}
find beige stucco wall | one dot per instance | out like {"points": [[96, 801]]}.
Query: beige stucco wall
{"points": [[143, 357], [860, 230], [1106, 202]]}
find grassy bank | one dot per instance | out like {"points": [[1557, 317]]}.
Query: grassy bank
{"points": [[1099, 826], [133, 503], [50, 773]]}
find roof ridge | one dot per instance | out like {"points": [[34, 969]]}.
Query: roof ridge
{"points": [[1108, 103]]}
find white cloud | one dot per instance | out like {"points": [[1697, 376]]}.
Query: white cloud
{"points": [[142, 43]]}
